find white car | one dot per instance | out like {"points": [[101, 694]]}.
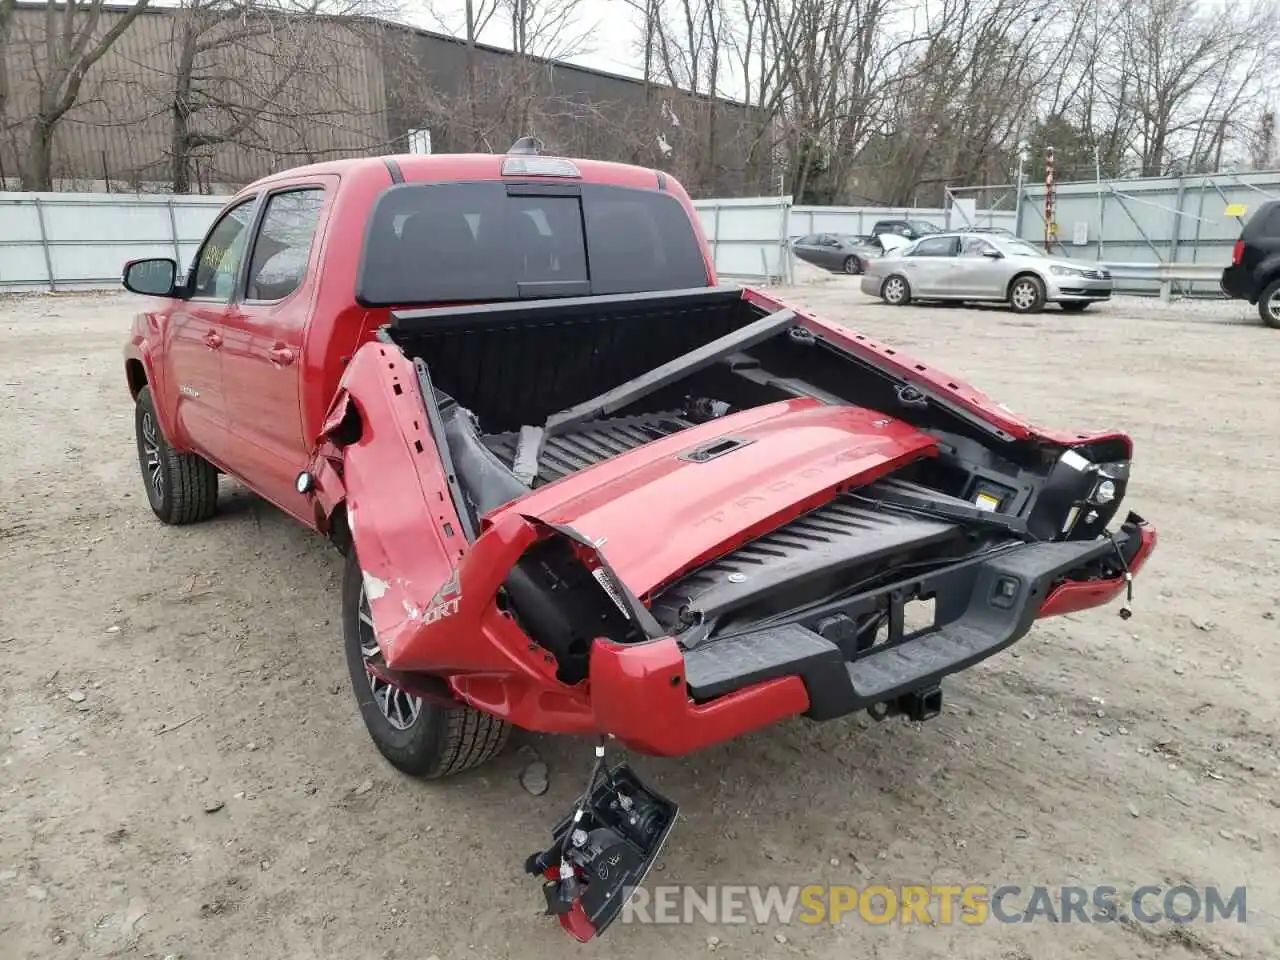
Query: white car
{"points": [[985, 267]]}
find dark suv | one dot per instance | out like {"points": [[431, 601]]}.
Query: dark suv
{"points": [[911, 229], [1254, 274]]}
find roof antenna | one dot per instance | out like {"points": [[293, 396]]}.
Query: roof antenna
{"points": [[526, 146]]}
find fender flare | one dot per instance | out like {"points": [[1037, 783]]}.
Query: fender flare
{"points": [[139, 351]]}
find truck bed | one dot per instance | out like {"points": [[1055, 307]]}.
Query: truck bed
{"points": [[567, 453]]}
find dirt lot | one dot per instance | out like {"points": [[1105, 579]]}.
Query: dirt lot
{"points": [[150, 674]]}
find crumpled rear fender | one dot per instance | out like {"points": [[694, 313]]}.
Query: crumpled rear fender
{"points": [[431, 593]]}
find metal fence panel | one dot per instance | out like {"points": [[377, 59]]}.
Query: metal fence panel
{"points": [[79, 241], [1155, 221], [748, 237], [858, 221], [65, 241]]}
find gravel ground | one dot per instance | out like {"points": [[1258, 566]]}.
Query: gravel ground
{"points": [[151, 675]]}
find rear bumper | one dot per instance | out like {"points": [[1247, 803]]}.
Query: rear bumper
{"points": [[659, 699], [1238, 284]]}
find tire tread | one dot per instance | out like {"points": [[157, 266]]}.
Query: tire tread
{"points": [[191, 481], [447, 740], [1271, 290]]}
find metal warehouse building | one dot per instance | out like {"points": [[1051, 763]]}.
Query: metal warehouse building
{"points": [[219, 104]]}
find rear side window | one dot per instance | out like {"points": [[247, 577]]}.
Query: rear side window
{"points": [[493, 240], [283, 247], [933, 247]]}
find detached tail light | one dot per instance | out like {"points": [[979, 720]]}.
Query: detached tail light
{"points": [[1237, 253]]}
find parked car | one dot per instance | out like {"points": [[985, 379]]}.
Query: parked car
{"points": [[843, 252], [911, 229], [970, 267], [581, 488], [1254, 273]]}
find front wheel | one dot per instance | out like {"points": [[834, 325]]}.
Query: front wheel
{"points": [[1269, 305], [1026, 295], [418, 737], [896, 291], [852, 266], [181, 487]]}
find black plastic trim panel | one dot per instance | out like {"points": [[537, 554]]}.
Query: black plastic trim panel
{"points": [[982, 608]]}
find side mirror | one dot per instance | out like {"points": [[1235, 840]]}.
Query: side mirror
{"points": [[993, 254], [152, 277]]}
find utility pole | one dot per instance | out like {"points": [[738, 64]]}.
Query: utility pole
{"points": [[1050, 225]]}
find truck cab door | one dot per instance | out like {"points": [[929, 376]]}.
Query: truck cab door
{"points": [[262, 359], [195, 335]]}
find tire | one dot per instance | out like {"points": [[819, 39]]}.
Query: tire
{"points": [[429, 740], [1026, 294], [1074, 307], [852, 266], [895, 290], [1269, 305], [181, 487]]}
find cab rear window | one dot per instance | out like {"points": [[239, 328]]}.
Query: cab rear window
{"points": [[497, 240]]}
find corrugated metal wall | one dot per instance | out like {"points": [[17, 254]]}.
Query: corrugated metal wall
{"points": [[357, 88], [121, 129], [332, 102]]}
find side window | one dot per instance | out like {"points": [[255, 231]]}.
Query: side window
{"points": [[283, 247], [933, 247], [809, 241], [974, 247], [214, 275]]}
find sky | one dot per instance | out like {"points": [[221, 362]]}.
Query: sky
{"points": [[611, 27]]}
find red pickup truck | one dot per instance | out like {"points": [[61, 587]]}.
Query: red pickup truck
{"points": [[583, 488]]}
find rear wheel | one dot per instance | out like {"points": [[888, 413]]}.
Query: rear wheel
{"points": [[1026, 294], [417, 736], [895, 291], [1075, 307], [181, 487], [852, 266], [1269, 305]]}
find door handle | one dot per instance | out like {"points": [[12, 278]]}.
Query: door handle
{"points": [[281, 356], [213, 340]]}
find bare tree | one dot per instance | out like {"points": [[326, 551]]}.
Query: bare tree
{"points": [[258, 77], [6, 21], [71, 42]]}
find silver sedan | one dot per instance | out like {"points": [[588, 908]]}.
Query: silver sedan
{"points": [[966, 266]]}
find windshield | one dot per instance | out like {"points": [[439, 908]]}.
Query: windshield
{"points": [[1022, 247], [494, 240], [923, 227]]}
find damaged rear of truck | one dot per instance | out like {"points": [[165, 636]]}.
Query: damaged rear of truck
{"points": [[675, 517], [589, 490]]}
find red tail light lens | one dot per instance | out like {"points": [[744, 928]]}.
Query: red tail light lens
{"points": [[1237, 253]]}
